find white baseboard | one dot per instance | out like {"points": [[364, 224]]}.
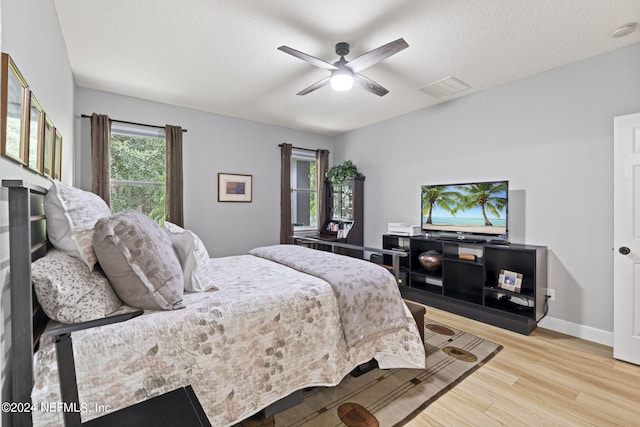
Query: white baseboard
{"points": [[579, 331]]}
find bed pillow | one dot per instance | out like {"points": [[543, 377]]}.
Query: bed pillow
{"points": [[68, 292], [71, 216], [138, 258], [192, 253]]}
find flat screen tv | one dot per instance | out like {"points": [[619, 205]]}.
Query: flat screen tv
{"points": [[476, 210]]}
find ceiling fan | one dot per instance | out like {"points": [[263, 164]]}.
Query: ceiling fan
{"points": [[344, 73]]}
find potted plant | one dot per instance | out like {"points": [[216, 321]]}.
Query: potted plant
{"points": [[337, 174]]}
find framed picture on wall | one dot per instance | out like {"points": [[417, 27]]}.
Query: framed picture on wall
{"points": [[56, 166], [34, 133], [46, 157], [13, 111], [234, 187]]}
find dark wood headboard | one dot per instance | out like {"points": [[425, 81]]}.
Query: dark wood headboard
{"points": [[27, 242]]}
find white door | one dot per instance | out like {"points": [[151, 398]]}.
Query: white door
{"points": [[626, 239]]}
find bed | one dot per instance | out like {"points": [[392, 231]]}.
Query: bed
{"points": [[246, 332]]}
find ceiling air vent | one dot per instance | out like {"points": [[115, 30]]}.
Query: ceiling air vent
{"points": [[445, 87]]}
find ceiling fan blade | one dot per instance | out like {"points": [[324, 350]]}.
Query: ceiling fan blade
{"points": [[369, 85], [308, 58], [316, 85], [374, 56]]}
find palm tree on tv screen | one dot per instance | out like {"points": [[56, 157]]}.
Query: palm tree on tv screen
{"points": [[440, 196], [490, 196]]}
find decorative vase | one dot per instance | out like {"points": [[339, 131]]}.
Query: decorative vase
{"points": [[430, 260]]}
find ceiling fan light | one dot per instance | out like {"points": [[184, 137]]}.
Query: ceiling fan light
{"points": [[342, 80]]}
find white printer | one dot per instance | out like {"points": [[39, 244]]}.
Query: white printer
{"points": [[401, 229]]}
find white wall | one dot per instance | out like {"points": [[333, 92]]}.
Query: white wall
{"points": [[551, 136], [213, 144], [30, 33]]}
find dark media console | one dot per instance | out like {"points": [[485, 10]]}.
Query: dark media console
{"points": [[466, 282], [466, 239]]}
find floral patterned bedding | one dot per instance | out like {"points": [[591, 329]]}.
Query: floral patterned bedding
{"points": [[369, 301], [269, 330]]}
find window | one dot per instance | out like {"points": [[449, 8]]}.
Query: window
{"points": [[304, 190], [138, 170]]}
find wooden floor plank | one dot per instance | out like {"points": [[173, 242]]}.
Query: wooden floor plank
{"points": [[625, 414], [546, 378], [470, 415]]}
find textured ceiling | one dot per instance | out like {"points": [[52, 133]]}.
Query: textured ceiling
{"points": [[221, 55]]}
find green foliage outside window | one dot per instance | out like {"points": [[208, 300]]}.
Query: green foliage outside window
{"points": [[304, 201], [138, 175], [313, 208]]}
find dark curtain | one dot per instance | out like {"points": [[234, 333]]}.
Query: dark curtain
{"points": [[173, 201], [101, 155], [286, 225], [322, 162]]}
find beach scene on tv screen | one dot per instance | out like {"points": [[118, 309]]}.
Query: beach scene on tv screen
{"points": [[472, 208]]}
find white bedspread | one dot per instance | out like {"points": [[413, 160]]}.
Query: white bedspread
{"points": [[267, 332]]}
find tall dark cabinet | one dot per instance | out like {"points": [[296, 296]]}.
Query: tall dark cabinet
{"points": [[345, 213]]}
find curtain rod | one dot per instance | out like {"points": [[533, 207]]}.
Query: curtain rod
{"points": [[130, 123], [303, 149]]}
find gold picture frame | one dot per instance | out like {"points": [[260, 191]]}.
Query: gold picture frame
{"points": [[35, 127], [510, 280], [46, 157], [235, 187], [57, 155], [13, 111]]}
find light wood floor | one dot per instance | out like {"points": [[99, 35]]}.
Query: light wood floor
{"points": [[544, 379]]}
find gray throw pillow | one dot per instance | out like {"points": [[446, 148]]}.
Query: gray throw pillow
{"points": [[138, 258]]}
